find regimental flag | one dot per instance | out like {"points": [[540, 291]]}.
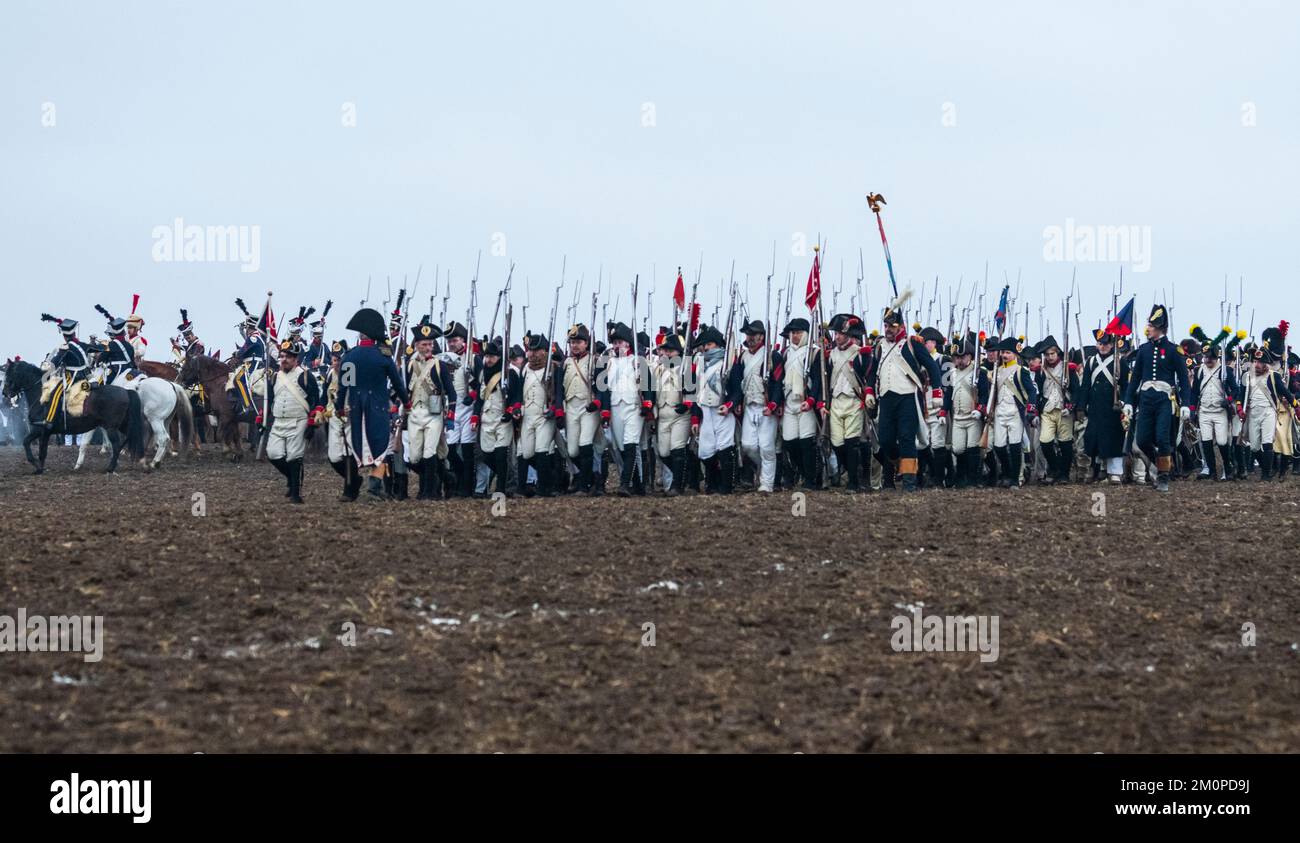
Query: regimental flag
{"points": [[267, 323], [679, 292], [1000, 318], [814, 283], [1122, 324]]}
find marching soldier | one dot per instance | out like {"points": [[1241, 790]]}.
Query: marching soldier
{"points": [[673, 410], [433, 399], [336, 428], [541, 403], [1012, 403], [760, 370], [899, 365], [295, 402], [1263, 395], [966, 402], [582, 407], [848, 365], [712, 423], [936, 457], [495, 412], [1159, 379], [1214, 403], [366, 375], [1103, 380], [801, 392], [1057, 381], [628, 399], [461, 436]]}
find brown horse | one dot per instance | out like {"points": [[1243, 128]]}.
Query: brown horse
{"points": [[213, 375]]}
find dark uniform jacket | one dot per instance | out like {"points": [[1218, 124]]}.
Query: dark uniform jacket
{"points": [[372, 373]]}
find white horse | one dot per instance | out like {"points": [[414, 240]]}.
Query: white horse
{"points": [[160, 402]]}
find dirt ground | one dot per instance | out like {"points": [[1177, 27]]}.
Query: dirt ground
{"points": [[225, 632]]}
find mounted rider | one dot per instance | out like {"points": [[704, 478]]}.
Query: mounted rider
{"points": [[117, 353]]}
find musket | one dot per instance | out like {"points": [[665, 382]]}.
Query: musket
{"points": [[550, 338], [501, 296], [266, 379], [767, 328]]}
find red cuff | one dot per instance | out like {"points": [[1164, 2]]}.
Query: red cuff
{"points": [[726, 408], [771, 406], [647, 405], [596, 401], [604, 415], [807, 404], [689, 404], [473, 419], [938, 393], [821, 405], [869, 391], [559, 412]]}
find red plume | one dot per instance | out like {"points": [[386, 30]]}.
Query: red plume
{"points": [[135, 302], [695, 317], [1283, 326]]}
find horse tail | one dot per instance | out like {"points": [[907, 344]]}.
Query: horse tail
{"points": [[186, 427], [134, 425]]}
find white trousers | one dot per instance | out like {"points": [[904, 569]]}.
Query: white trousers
{"points": [[424, 431], [758, 442], [1214, 426], [717, 432], [287, 439]]}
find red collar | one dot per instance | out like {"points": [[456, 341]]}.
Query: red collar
{"points": [[365, 341]]}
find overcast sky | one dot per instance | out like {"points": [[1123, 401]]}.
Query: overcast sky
{"points": [[366, 139]]}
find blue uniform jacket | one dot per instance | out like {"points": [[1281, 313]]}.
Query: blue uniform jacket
{"points": [[366, 376]]}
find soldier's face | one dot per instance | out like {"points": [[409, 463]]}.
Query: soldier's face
{"points": [[930, 346], [132, 330], [1261, 367], [288, 361], [425, 348], [1052, 356], [963, 361], [578, 347], [1104, 347], [893, 331], [754, 340], [456, 344], [537, 357], [796, 337], [1006, 356], [491, 360]]}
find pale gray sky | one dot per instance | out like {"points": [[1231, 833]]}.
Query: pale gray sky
{"points": [[982, 124]]}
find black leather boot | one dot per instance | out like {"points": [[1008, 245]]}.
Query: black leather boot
{"points": [[295, 481], [726, 470], [1066, 461]]}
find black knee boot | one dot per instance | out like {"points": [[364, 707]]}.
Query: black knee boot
{"points": [[282, 466], [351, 481], [295, 481], [1052, 458], [677, 465], [341, 467], [1017, 454], [521, 477], [1284, 466], [852, 466], [586, 462], [1266, 463], [939, 466], [1243, 458], [545, 469], [1212, 469], [1004, 466], [726, 470], [994, 466], [1066, 458], [629, 472], [467, 470], [642, 481]]}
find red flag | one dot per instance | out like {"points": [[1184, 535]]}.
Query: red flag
{"points": [[267, 322], [679, 292], [814, 283]]}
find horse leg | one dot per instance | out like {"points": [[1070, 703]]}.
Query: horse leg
{"points": [[103, 449], [117, 439], [81, 449], [44, 449], [161, 439]]}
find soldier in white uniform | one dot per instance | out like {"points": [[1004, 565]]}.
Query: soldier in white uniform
{"points": [[1012, 404], [1214, 393], [761, 378], [628, 399], [295, 403], [497, 408], [1057, 381], [537, 426], [672, 411], [801, 392], [336, 443], [433, 400], [847, 378], [967, 400], [582, 406], [936, 456], [134, 324], [459, 433], [712, 423], [1263, 392]]}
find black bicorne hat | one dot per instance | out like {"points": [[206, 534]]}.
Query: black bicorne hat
{"points": [[455, 329], [425, 331], [708, 334], [671, 342], [579, 332], [754, 327], [1159, 317], [619, 331], [339, 347], [796, 324], [369, 323]]}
